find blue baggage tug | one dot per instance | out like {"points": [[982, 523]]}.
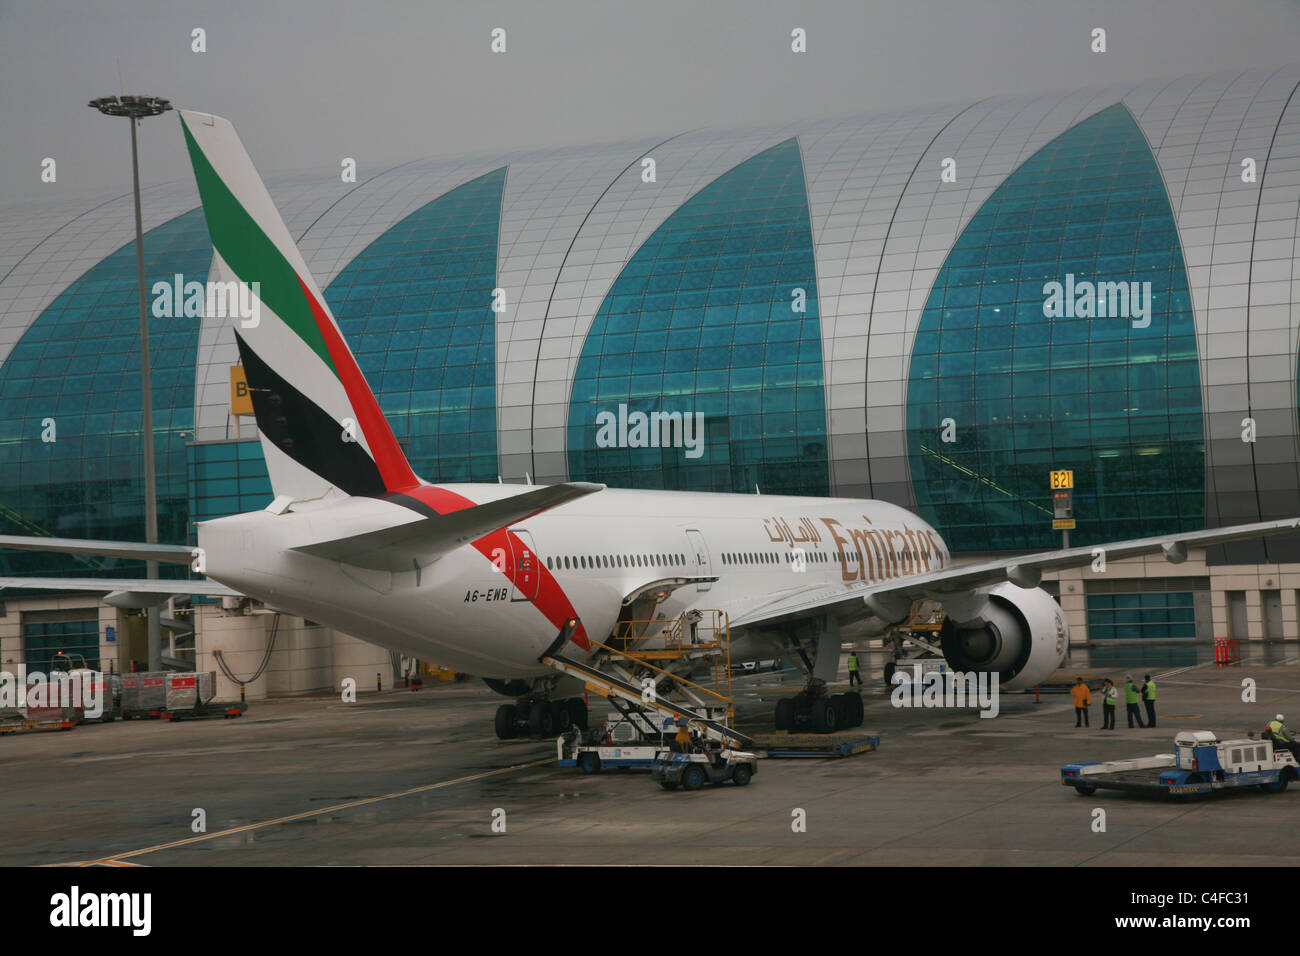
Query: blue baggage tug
{"points": [[1202, 763]]}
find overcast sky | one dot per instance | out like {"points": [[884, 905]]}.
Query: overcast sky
{"points": [[307, 83]]}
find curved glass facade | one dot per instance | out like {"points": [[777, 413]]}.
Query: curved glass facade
{"points": [[713, 321], [1114, 397], [416, 308], [923, 301], [79, 365]]}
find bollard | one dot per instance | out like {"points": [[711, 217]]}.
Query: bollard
{"points": [[1037, 699], [379, 683]]}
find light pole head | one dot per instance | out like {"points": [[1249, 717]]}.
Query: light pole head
{"points": [[136, 105]]}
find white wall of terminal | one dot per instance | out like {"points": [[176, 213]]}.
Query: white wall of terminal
{"points": [[309, 658]]}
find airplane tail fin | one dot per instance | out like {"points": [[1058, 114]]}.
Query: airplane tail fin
{"points": [[319, 422]]}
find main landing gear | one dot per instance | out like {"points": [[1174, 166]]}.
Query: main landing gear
{"points": [[813, 710], [538, 717]]}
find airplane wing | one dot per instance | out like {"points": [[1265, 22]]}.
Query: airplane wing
{"points": [[123, 592], [425, 540], [1023, 570], [131, 585], [166, 553]]}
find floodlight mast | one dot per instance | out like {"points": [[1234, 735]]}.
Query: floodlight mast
{"points": [[136, 107]]}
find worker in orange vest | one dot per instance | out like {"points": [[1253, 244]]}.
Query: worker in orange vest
{"points": [[1082, 699]]}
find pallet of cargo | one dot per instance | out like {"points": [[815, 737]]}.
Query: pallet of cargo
{"points": [[815, 745], [144, 695]]}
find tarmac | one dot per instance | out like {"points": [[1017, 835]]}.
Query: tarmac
{"points": [[419, 778]]}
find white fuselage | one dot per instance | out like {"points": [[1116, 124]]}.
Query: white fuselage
{"points": [[467, 612]]}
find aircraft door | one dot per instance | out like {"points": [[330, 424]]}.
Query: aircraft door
{"points": [[701, 566], [527, 576]]}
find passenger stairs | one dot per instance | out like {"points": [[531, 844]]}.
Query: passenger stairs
{"points": [[633, 675]]}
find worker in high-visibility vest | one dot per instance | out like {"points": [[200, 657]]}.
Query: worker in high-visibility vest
{"points": [[854, 675], [1282, 739], [1109, 693], [1149, 699], [1082, 699], [1131, 698]]}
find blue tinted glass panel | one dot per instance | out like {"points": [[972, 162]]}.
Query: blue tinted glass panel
{"points": [[78, 365], [416, 308], [1035, 378], [703, 368]]}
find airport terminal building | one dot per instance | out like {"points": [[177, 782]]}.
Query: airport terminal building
{"points": [[936, 307]]}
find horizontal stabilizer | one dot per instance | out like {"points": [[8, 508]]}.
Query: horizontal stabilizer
{"points": [[419, 543], [166, 553]]}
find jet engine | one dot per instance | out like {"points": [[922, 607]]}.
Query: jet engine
{"points": [[1020, 633]]}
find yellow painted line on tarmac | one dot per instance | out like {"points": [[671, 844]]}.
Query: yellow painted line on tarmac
{"points": [[117, 858]]}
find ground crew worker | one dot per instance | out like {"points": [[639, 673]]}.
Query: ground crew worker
{"points": [[1281, 738], [1149, 698], [1131, 699], [853, 669], [1108, 696], [1082, 699], [682, 739]]}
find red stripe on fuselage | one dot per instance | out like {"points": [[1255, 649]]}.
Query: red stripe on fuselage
{"points": [[551, 599], [400, 479], [393, 467]]}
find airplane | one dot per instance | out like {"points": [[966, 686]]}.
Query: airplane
{"points": [[495, 579]]}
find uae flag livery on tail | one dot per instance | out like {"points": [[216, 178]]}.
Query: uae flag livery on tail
{"points": [[319, 422]]}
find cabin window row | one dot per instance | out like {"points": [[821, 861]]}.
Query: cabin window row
{"points": [[592, 562]]}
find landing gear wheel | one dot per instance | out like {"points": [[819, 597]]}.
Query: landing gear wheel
{"points": [[578, 712], [784, 713], [1085, 789], [824, 717], [693, 777], [858, 710], [541, 722], [562, 714], [842, 709], [589, 762], [740, 776], [507, 722]]}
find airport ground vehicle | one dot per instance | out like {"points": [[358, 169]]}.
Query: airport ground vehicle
{"points": [[593, 758], [1202, 763], [626, 741], [691, 771]]}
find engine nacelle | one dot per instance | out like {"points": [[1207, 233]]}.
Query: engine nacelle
{"points": [[1020, 633]]}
